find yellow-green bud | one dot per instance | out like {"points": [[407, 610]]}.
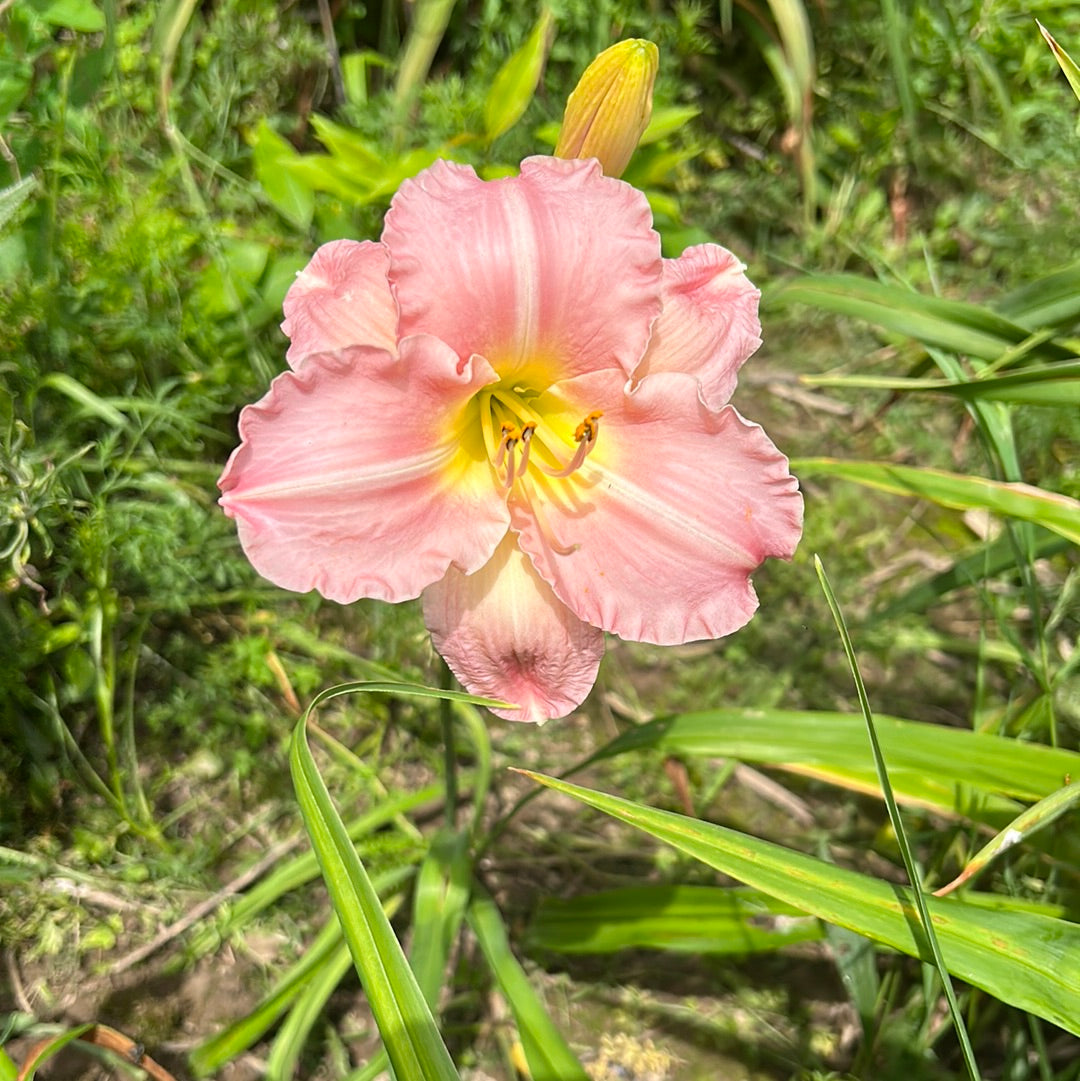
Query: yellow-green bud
{"points": [[610, 106]]}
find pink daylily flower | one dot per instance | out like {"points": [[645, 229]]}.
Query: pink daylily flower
{"points": [[514, 407]]}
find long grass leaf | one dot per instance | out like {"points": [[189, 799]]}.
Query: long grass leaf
{"points": [[693, 919], [1023, 959], [910, 867], [1024, 825], [1065, 61], [1048, 384], [947, 324], [1058, 513], [931, 766], [546, 1051], [409, 1031], [1050, 301], [288, 1045]]}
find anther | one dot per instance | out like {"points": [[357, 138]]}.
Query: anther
{"points": [[589, 428], [585, 434], [526, 442], [507, 439]]}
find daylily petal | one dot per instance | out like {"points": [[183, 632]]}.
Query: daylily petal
{"points": [[709, 326], [547, 274], [352, 478], [341, 298], [655, 536], [505, 635]]}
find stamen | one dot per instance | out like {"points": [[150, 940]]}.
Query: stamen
{"points": [[586, 434], [589, 428], [506, 438], [526, 442]]}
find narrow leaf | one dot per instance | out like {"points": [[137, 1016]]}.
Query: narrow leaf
{"points": [[547, 1053], [1023, 959], [409, 1032], [1058, 513], [926, 924], [1033, 819], [930, 765], [694, 919], [1065, 61], [948, 324]]}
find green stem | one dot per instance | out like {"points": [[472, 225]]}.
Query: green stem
{"points": [[446, 714]]}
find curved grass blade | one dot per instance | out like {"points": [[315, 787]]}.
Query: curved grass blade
{"points": [[1052, 511], [1050, 301], [913, 873], [547, 1053], [948, 324], [1033, 819], [409, 1032], [44, 1050], [1024, 959], [695, 919]]}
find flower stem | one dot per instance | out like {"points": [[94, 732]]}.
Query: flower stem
{"points": [[449, 757]]}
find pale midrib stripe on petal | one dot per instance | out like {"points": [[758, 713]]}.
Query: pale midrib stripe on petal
{"points": [[666, 511], [343, 480]]}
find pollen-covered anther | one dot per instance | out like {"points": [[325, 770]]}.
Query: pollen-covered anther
{"points": [[589, 428], [585, 434], [509, 439]]}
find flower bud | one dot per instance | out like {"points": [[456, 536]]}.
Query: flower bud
{"points": [[610, 106]]}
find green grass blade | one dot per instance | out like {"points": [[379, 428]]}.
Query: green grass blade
{"points": [[1023, 959], [1058, 513], [695, 919], [1050, 301], [1065, 61], [48, 1049], [94, 404], [409, 1032], [8, 1070], [948, 324], [242, 1034], [547, 1053], [1024, 825], [988, 561], [914, 875], [288, 1046], [931, 766], [1048, 384], [439, 903]]}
